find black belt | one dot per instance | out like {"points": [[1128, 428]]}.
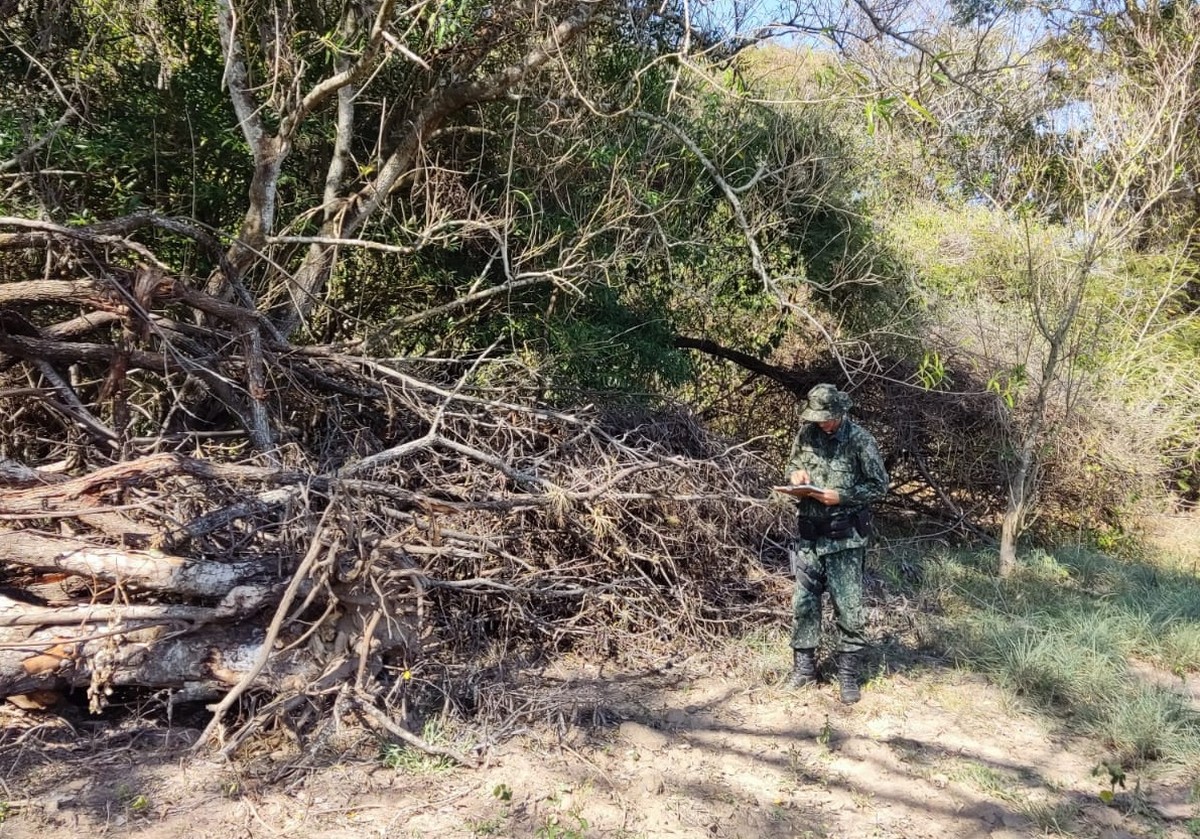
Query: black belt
{"points": [[839, 526]]}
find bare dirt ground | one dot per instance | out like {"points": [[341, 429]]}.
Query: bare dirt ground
{"points": [[710, 746], [713, 746]]}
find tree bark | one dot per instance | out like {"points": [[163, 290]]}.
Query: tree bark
{"points": [[161, 652], [138, 570]]}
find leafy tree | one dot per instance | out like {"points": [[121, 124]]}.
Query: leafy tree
{"points": [[1081, 152]]}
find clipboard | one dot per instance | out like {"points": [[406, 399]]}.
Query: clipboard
{"points": [[798, 490]]}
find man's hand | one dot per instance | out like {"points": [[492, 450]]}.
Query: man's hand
{"points": [[828, 497]]}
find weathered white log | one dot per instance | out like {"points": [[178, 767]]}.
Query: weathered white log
{"points": [[199, 665], [19, 614], [142, 570], [201, 652], [239, 602]]}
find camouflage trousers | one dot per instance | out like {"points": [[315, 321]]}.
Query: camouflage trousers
{"points": [[841, 574]]}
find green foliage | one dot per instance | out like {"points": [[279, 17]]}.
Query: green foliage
{"points": [[623, 196], [155, 129], [1152, 346], [1128, 348], [135, 803], [932, 371], [605, 345], [886, 216], [675, 258], [961, 252], [1008, 384], [446, 21], [879, 110]]}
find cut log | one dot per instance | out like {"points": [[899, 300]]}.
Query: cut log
{"points": [[200, 651], [200, 665], [140, 570]]}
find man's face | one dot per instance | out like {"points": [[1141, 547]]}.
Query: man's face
{"points": [[830, 426]]}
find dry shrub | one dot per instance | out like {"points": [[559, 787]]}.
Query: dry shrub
{"points": [[948, 449], [443, 536]]}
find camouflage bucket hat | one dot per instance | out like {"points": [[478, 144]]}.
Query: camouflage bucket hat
{"points": [[826, 402]]}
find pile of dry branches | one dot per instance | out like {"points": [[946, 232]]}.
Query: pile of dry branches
{"points": [[191, 503]]}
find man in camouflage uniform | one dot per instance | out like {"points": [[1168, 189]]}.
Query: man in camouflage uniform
{"points": [[842, 459]]}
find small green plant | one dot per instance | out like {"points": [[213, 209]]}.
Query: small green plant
{"points": [[1116, 778], [403, 759], [413, 761], [5, 811], [487, 827], [825, 736], [494, 826], [555, 827], [138, 804]]}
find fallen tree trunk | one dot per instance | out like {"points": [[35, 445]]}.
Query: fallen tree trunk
{"points": [[157, 653], [128, 569], [198, 652]]}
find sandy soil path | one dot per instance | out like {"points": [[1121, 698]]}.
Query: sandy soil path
{"points": [[929, 752]]}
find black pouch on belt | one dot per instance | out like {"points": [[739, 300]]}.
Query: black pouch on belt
{"points": [[862, 522], [808, 529], [842, 526]]}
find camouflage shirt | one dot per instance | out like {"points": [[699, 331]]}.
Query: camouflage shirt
{"points": [[847, 460]]}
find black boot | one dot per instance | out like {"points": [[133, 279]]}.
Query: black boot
{"points": [[847, 676], [804, 668]]}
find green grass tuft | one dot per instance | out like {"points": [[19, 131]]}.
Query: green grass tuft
{"points": [[1062, 631], [412, 761]]}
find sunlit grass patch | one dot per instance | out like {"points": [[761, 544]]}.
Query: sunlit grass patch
{"points": [[1053, 818], [1060, 633], [1149, 723], [1001, 784], [1093, 572], [1024, 793], [763, 656], [1180, 648]]}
